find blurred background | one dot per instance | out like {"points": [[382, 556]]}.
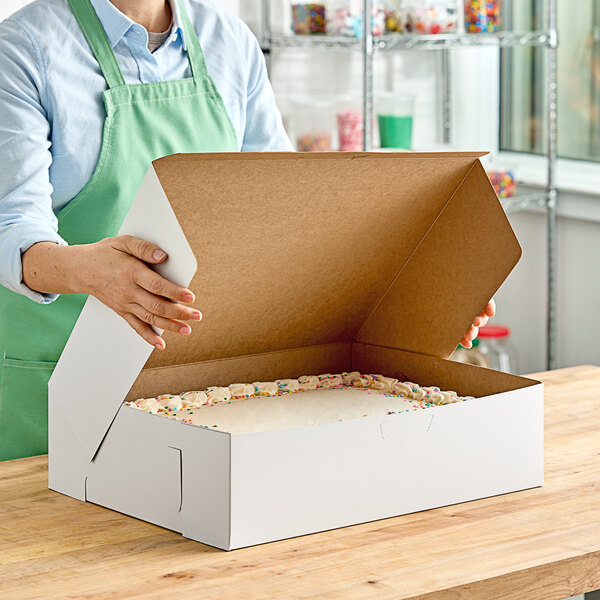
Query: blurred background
{"points": [[518, 79]]}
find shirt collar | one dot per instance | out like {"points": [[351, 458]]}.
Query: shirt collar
{"points": [[116, 24]]}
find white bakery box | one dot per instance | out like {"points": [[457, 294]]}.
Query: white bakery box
{"points": [[301, 264]]}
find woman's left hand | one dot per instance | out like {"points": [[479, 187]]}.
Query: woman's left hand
{"points": [[480, 320]]}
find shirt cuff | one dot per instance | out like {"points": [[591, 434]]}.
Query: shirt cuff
{"points": [[13, 244]]}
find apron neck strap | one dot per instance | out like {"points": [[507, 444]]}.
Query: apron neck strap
{"points": [[95, 35], [194, 50]]}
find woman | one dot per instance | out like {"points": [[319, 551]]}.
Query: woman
{"points": [[88, 98]]}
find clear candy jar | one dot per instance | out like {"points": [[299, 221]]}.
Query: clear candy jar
{"points": [[308, 18], [394, 16], [470, 356], [350, 125], [345, 17], [495, 345], [430, 16], [482, 16], [313, 124]]}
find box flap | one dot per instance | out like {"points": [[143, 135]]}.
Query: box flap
{"points": [[103, 355], [457, 267], [297, 250]]}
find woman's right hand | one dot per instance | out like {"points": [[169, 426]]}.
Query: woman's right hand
{"points": [[114, 270]]}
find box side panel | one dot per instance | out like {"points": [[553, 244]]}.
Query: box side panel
{"points": [[466, 380], [137, 470], [331, 358], [67, 464], [206, 487], [457, 267], [296, 482]]}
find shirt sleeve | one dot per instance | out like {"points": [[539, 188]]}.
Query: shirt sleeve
{"points": [[26, 215], [264, 131]]}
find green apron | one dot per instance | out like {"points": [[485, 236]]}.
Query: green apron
{"points": [[143, 122]]}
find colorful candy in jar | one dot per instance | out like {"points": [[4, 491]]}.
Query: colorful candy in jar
{"points": [[431, 19], [350, 130], [315, 141], [504, 183], [348, 20], [308, 18], [482, 16], [394, 20]]}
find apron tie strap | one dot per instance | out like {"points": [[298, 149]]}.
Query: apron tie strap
{"points": [[194, 50], [96, 36]]}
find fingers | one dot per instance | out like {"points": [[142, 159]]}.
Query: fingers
{"points": [[490, 309], [156, 320], [145, 331], [480, 320], [146, 251], [483, 317], [468, 338], [164, 308], [159, 286]]}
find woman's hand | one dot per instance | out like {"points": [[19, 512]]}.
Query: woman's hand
{"points": [[114, 270], [480, 320]]}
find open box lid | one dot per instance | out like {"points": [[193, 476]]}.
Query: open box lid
{"points": [[295, 250]]}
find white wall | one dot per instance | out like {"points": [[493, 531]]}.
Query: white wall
{"points": [[522, 299], [8, 7]]}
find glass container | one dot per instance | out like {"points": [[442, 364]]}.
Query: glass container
{"points": [[309, 18], [494, 344], [395, 120], [430, 16], [350, 125], [482, 16], [312, 124], [345, 17], [470, 356]]}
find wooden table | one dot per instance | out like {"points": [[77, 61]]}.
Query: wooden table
{"points": [[537, 544]]}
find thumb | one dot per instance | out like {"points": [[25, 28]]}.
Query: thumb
{"points": [[146, 251]]}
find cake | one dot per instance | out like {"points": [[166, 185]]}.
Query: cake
{"points": [[289, 403]]}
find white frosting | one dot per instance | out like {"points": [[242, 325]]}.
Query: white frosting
{"points": [[325, 381], [363, 381], [241, 390], [288, 386], [348, 378], [218, 394], [265, 388], [167, 402], [402, 389], [308, 382], [383, 384], [150, 405], [194, 399], [326, 398]]}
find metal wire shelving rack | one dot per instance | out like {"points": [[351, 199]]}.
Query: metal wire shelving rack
{"points": [[368, 45]]}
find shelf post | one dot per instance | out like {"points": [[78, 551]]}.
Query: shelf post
{"points": [[552, 199], [446, 81], [265, 22], [367, 47]]}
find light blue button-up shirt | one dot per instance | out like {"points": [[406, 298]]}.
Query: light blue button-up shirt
{"points": [[52, 114]]}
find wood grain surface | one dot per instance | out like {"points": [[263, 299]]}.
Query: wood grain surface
{"points": [[540, 544]]}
